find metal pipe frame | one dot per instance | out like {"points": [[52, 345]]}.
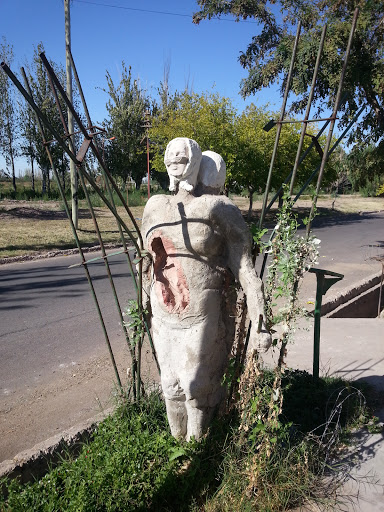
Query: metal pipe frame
{"points": [[74, 232], [308, 109], [138, 244], [278, 131], [332, 124]]}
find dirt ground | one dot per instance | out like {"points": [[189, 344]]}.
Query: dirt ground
{"points": [[81, 391]]}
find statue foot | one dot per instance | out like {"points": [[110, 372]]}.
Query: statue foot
{"points": [[199, 419], [177, 418]]}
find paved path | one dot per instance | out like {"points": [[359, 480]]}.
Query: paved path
{"points": [[350, 347]]}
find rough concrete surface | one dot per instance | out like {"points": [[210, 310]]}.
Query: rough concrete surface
{"points": [[34, 463], [352, 348]]}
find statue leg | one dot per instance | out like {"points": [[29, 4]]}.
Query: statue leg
{"points": [[199, 419], [177, 417]]}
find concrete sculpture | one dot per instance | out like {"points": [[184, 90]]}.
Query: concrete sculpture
{"points": [[200, 246]]}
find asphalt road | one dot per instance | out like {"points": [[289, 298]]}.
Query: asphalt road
{"points": [[49, 319]]}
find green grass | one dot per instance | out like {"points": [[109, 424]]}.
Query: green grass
{"points": [[133, 463]]}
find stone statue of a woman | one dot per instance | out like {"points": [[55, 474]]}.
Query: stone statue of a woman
{"points": [[200, 246]]}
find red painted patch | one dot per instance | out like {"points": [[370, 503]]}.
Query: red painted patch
{"points": [[170, 282]]}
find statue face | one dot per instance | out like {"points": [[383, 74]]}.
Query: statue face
{"points": [[177, 158]]}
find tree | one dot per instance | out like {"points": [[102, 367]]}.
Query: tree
{"points": [[126, 106], [28, 136], [207, 118], [268, 55], [365, 168], [254, 148], [43, 97], [9, 127]]}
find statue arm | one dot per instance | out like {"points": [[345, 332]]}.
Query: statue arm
{"points": [[147, 268], [238, 242]]}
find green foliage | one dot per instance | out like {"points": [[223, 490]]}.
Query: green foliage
{"points": [[125, 154], [135, 198], [269, 53], [207, 118], [254, 147], [33, 144], [380, 190], [213, 122], [290, 256], [9, 126], [365, 168], [135, 323]]}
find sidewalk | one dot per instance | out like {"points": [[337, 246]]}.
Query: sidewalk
{"points": [[352, 348]]}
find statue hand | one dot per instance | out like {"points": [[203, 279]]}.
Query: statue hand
{"points": [[259, 341]]}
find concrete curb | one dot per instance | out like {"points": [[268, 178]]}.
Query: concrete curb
{"points": [[52, 254], [35, 463], [350, 293]]}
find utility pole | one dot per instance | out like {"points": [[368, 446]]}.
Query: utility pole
{"points": [[147, 125], [72, 167]]}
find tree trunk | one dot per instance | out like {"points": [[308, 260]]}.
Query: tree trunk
{"points": [[249, 217], [44, 181], [372, 100], [13, 171], [32, 175]]}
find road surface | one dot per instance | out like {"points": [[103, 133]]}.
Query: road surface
{"points": [[54, 364]]}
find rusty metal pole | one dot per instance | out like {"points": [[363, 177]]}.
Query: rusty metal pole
{"points": [[279, 125], [309, 104], [72, 166], [333, 121]]}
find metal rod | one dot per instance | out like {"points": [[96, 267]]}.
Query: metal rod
{"points": [[96, 226], [306, 184], [76, 237], [332, 124], [317, 315], [381, 289], [93, 260], [107, 182], [351, 123], [278, 131], [305, 154], [50, 71], [37, 111], [309, 104], [90, 126], [297, 121]]}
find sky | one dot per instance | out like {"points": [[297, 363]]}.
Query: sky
{"points": [[146, 35]]}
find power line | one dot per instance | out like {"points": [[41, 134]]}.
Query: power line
{"points": [[151, 11]]}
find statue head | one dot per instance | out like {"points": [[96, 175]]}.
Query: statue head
{"points": [[182, 159], [212, 173]]}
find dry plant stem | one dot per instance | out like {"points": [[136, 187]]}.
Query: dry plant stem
{"points": [[239, 349]]}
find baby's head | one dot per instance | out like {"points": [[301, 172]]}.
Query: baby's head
{"points": [[212, 173]]}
